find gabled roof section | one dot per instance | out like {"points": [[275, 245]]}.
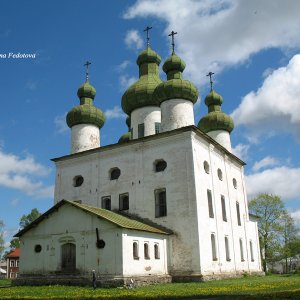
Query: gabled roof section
{"points": [[14, 253], [110, 216]]}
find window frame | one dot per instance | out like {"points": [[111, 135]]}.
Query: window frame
{"points": [[78, 180], [135, 250], [241, 250], [103, 200], [160, 168], [157, 127], [146, 250], [220, 174], [156, 251], [238, 213], [141, 130], [121, 203], [160, 203], [210, 204], [227, 249], [213, 246], [223, 205]]}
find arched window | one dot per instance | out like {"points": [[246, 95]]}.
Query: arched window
{"points": [[227, 249], [156, 251], [106, 202], [223, 204], [135, 250], [251, 251], [238, 215], [220, 174], [115, 173], [78, 180], [210, 204], [146, 251], [242, 250], [206, 166], [160, 165], [213, 247], [234, 182]]}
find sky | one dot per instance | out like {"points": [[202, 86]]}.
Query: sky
{"points": [[253, 47]]}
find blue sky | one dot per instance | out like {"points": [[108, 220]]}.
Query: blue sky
{"points": [[252, 47]]}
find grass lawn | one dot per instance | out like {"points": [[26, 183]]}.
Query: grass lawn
{"points": [[269, 287]]}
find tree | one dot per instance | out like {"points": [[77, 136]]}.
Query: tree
{"points": [[290, 240], [14, 243], [270, 210], [1, 238], [27, 219]]}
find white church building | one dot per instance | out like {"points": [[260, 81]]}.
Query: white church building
{"points": [[166, 203]]}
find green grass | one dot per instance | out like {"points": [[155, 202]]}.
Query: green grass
{"points": [[269, 287], [4, 282]]}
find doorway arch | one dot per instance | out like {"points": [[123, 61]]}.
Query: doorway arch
{"points": [[68, 257]]}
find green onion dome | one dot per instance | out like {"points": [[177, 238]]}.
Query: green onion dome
{"points": [[140, 94], [175, 87], [215, 119], [125, 138], [86, 112]]}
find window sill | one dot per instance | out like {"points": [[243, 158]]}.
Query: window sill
{"points": [[136, 258]]}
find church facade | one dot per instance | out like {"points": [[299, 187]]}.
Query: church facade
{"points": [[166, 203]]}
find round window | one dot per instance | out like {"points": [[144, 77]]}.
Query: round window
{"points": [[206, 166], [37, 248], [78, 181]]}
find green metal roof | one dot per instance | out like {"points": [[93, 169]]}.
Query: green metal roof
{"points": [[175, 87], [126, 137], [86, 112], [140, 94], [110, 216], [215, 119]]}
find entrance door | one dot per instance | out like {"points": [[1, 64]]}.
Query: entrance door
{"points": [[68, 257]]}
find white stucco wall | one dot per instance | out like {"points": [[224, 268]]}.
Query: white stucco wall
{"points": [[148, 116], [143, 266], [84, 137], [176, 113], [71, 225], [222, 137], [246, 231], [186, 184]]}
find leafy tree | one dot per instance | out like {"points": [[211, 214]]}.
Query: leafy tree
{"points": [[270, 210], [1, 238], [14, 243], [27, 219]]}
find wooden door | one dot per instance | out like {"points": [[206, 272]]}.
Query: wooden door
{"points": [[68, 257]]}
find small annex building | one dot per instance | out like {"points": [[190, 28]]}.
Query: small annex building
{"points": [[99, 240], [167, 202]]}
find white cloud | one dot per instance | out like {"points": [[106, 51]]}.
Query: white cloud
{"points": [[268, 161], [60, 123], [122, 66], [133, 39], [282, 181], [296, 216], [14, 202], [126, 81], [275, 107], [241, 151], [23, 174], [115, 113], [215, 34]]}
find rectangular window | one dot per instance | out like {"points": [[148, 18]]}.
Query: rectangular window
{"points": [[12, 263], [238, 215], [210, 204], [124, 201], [106, 202], [242, 250], [251, 251], [141, 130], [227, 249], [17, 263], [223, 208], [157, 127], [160, 203], [213, 246]]}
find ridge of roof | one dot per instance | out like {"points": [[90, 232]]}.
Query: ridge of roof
{"points": [[110, 216]]}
